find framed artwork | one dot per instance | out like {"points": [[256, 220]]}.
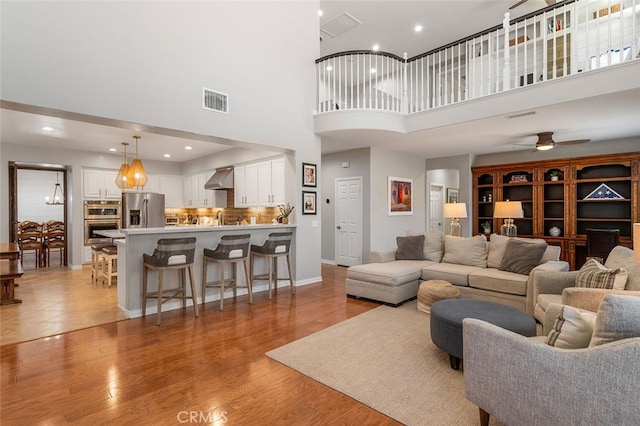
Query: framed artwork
{"points": [[453, 195], [309, 175], [309, 202], [400, 192]]}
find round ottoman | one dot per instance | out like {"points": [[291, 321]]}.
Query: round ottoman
{"points": [[447, 316], [432, 291]]}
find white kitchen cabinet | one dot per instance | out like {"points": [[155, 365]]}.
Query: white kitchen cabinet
{"points": [[196, 196], [245, 184], [100, 184], [153, 184], [171, 187], [271, 183]]}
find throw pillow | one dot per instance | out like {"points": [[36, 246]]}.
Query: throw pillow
{"points": [[521, 256], [595, 275], [623, 257], [497, 247], [573, 328], [433, 245], [618, 318], [410, 248], [466, 251]]}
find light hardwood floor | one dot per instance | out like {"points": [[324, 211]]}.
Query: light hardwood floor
{"points": [[212, 367]]}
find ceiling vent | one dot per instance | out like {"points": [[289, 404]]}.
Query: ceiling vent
{"points": [[339, 25], [215, 101]]}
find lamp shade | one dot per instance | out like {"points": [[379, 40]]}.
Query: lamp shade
{"points": [[455, 210], [137, 176], [508, 209], [636, 241]]}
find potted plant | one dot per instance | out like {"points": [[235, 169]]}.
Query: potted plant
{"points": [[554, 175], [285, 211], [486, 226]]}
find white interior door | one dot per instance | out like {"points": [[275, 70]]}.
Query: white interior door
{"points": [[435, 208], [348, 251]]}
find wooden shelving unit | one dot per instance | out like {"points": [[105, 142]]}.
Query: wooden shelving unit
{"points": [[562, 204]]}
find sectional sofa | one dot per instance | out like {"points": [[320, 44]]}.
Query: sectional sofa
{"points": [[497, 270]]}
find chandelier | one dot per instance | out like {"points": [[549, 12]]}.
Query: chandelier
{"points": [[58, 199], [121, 179], [136, 176]]}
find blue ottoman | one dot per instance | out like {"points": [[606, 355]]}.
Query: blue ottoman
{"points": [[446, 322]]}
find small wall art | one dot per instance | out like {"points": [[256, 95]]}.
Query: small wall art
{"points": [[309, 202], [400, 193], [309, 174], [453, 195]]}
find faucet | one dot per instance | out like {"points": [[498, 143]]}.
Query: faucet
{"points": [[239, 220], [220, 217]]}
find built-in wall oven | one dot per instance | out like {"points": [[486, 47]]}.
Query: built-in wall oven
{"points": [[100, 215]]}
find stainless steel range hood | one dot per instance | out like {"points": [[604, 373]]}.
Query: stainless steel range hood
{"points": [[221, 179]]}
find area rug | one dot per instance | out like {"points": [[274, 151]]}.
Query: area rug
{"points": [[384, 358]]}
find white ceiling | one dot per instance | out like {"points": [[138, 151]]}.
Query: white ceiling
{"points": [[389, 24]]}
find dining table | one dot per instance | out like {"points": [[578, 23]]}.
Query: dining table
{"points": [[9, 251], [10, 269]]}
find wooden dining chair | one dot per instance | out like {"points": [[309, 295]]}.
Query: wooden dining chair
{"points": [[30, 238], [54, 238]]}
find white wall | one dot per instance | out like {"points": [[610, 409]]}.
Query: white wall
{"points": [[36, 185], [147, 62]]}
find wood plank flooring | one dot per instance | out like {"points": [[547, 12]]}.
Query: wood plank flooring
{"points": [[207, 370]]}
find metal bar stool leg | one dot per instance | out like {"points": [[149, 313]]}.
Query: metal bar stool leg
{"points": [[293, 287], [193, 290], [248, 277]]}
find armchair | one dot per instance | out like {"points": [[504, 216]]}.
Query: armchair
{"points": [[521, 380], [559, 287]]}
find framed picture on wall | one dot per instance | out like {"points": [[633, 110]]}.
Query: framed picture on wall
{"points": [[400, 192], [309, 174], [453, 195], [308, 202]]}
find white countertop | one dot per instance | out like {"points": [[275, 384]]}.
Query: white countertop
{"points": [[198, 228], [111, 233]]}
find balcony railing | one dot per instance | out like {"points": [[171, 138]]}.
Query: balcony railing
{"points": [[564, 39]]}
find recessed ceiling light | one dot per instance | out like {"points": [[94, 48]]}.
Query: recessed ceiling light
{"points": [[372, 71], [375, 47], [48, 129], [113, 150], [329, 68], [188, 148], [417, 28], [320, 12], [167, 156]]}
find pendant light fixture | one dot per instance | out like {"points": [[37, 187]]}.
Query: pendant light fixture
{"points": [[121, 180], [58, 195], [137, 177]]}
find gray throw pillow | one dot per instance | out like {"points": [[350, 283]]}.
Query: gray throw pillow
{"points": [[521, 256], [410, 248], [618, 318]]}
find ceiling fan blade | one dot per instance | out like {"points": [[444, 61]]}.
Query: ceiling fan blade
{"points": [[518, 4], [574, 142]]}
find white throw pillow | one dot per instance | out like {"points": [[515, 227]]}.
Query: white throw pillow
{"points": [[573, 328], [497, 246], [466, 251]]}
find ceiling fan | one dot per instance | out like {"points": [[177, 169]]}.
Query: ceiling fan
{"points": [[548, 2], [545, 141]]}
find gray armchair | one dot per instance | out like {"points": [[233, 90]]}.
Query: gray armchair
{"points": [[524, 381], [559, 287]]}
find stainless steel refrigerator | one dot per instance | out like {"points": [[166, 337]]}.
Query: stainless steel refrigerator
{"points": [[142, 210]]}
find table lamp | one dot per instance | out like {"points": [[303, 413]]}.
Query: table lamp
{"points": [[455, 211], [508, 210]]}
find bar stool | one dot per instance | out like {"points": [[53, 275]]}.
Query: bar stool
{"points": [[277, 245], [170, 254], [231, 249], [109, 264], [96, 261]]}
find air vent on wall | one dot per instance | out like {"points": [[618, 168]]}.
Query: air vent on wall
{"points": [[215, 101], [340, 24]]}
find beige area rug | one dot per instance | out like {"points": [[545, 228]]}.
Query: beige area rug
{"points": [[384, 358]]}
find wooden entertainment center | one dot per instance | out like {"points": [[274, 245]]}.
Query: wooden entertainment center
{"points": [[591, 192]]}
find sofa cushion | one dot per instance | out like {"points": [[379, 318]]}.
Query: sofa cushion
{"points": [[465, 251], [410, 248], [497, 246], [390, 273], [433, 245], [521, 255], [595, 275], [455, 274], [573, 328], [501, 281], [622, 257], [618, 318], [544, 300]]}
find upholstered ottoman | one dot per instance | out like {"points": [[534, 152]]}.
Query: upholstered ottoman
{"points": [[446, 322], [431, 291]]}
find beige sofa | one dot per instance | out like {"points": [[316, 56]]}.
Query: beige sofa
{"points": [[472, 264]]}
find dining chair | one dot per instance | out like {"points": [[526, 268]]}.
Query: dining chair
{"points": [[54, 238], [30, 238]]}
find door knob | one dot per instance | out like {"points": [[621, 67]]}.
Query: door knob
{"points": [[337, 227]]}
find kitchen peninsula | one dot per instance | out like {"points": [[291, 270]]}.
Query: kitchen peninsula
{"points": [[138, 241]]}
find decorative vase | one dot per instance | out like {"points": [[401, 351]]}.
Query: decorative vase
{"points": [[554, 178], [555, 231], [285, 220], [487, 231]]}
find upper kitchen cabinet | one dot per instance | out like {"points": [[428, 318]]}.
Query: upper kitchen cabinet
{"points": [[171, 187], [196, 196], [100, 184], [271, 183], [245, 184]]}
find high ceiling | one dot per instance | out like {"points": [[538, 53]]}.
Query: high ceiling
{"points": [[390, 24]]}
